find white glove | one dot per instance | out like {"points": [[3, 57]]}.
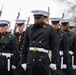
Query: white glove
{"points": [[64, 66], [24, 66], [71, 52], [60, 53], [74, 67], [13, 67], [53, 66]]}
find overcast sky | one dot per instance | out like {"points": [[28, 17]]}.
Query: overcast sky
{"points": [[12, 7]]}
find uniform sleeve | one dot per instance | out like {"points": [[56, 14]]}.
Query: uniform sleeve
{"points": [[65, 48], [15, 49], [75, 50], [25, 47], [54, 43]]}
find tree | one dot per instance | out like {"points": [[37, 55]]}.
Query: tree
{"points": [[71, 9]]}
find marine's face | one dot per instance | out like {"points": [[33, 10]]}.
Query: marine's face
{"points": [[21, 28], [56, 26], [65, 27], [38, 20], [46, 20], [3, 29], [72, 29]]}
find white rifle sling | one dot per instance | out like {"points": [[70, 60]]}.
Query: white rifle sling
{"points": [[61, 62], [72, 54], [72, 60], [8, 56], [73, 66], [8, 66], [61, 54], [50, 54], [63, 66]]}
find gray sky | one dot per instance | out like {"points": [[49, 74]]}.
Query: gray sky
{"points": [[12, 7]]}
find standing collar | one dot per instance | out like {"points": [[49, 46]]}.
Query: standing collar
{"points": [[40, 25]]}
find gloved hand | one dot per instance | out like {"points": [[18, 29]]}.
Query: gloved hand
{"points": [[53, 66], [24, 66], [13, 67], [60, 53], [71, 52], [64, 66], [74, 67]]}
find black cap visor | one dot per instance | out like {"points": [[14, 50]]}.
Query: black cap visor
{"points": [[20, 24], [38, 16], [3, 25], [55, 22]]}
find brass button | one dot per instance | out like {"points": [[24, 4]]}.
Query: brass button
{"points": [[61, 34], [44, 26], [9, 36], [33, 59], [19, 37], [39, 59], [35, 49], [20, 55], [2, 61], [21, 48], [39, 41], [33, 41], [3, 46], [2, 37], [19, 40]]}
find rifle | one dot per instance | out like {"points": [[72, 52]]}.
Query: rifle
{"points": [[17, 19], [63, 15], [48, 12], [1, 11], [63, 66], [28, 20], [18, 14]]}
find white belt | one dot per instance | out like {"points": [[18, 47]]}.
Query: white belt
{"points": [[38, 49], [6, 54]]}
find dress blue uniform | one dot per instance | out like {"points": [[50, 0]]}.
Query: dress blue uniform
{"points": [[8, 50], [63, 46], [19, 36], [39, 39], [72, 47]]}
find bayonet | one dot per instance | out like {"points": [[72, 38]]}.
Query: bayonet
{"points": [[1, 11], [19, 13]]}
